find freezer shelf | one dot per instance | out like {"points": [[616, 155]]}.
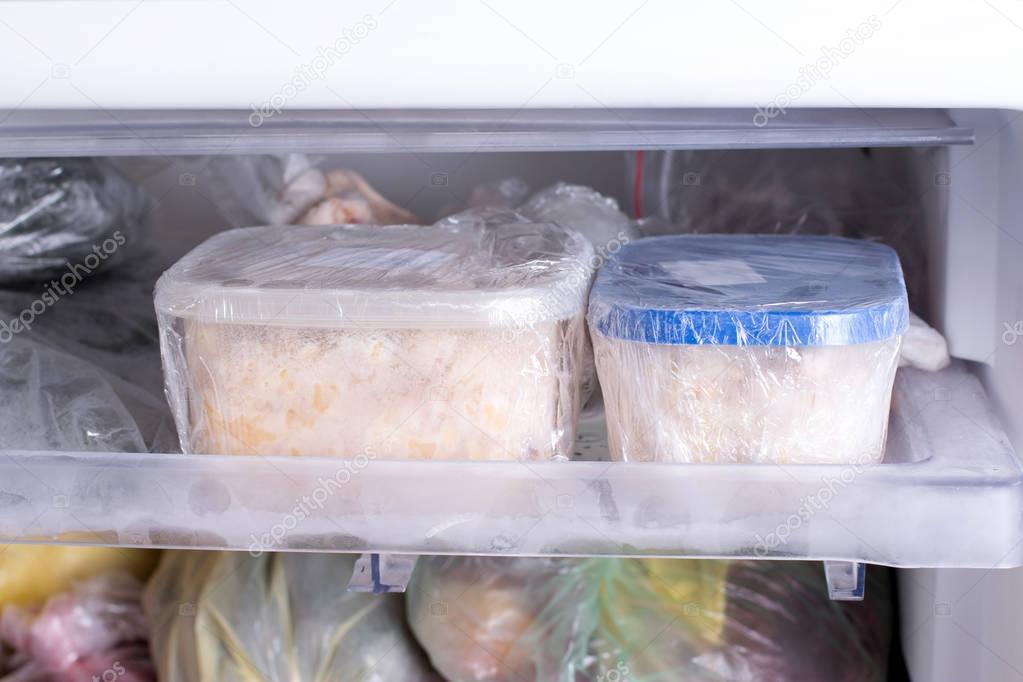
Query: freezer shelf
{"points": [[182, 132], [948, 494]]}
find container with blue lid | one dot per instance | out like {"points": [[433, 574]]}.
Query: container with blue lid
{"points": [[748, 348]]}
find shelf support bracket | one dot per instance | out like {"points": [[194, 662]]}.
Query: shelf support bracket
{"points": [[380, 573], [847, 580]]}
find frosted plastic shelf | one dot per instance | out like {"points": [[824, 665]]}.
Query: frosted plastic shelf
{"points": [[950, 493], [176, 132]]}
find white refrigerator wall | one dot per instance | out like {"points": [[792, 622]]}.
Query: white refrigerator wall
{"points": [[966, 624]]}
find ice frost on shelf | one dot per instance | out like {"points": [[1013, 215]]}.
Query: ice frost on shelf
{"points": [[944, 443]]}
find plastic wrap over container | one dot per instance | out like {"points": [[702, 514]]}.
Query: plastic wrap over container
{"points": [[458, 341], [64, 218], [222, 616], [863, 194], [489, 619], [748, 348]]}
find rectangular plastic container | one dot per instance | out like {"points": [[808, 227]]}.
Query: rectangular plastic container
{"points": [[461, 341], [748, 348]]}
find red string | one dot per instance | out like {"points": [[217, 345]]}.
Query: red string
{"points": [[637, 186]]}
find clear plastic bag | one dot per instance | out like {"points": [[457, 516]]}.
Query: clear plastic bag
{"points": [[584, 210], [293, 189], [231, 617], [92, 353], [748, 348], [489, 619], [81, 634], [464, 340], [863, 194], [63, 218]]}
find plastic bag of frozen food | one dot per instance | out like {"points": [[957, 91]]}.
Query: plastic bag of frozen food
{"points": [[61, 218], [292, 188], [50, 400], [864, 194], [584, 210], [98, 339], [220, 616], [81, 634], [489, 619]]}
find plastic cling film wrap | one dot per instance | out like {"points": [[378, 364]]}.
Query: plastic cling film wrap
{"points": [[858, 193], [460, 341], [231, 616], [748, 348], [643, 620], [747, 404]]}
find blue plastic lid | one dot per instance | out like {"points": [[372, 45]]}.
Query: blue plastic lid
{"points": [[750, 290]]}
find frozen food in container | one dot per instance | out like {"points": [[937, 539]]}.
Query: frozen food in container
{"points": [[458, 341], [748, 348]]}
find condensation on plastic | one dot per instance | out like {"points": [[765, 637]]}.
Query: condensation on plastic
{"points": [[276, 617], [81, 634], [863, 194], [748, 349], [464, 340], [292, 188], [62, 217], [489, 619]]}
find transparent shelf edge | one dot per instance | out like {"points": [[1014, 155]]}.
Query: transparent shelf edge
{"points": [[188, 132], [948, 495]]}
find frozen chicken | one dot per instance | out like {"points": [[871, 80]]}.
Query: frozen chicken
{"points": [[748, 349], [458, 341]]}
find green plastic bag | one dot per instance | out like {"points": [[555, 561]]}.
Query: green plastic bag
{"points": [[644, 620], [231, 617]]}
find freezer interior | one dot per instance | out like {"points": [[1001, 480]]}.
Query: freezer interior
{"points": [[944, 505]]}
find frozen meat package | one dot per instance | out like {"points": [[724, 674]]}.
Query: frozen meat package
{"points": [[463, 340], [287, 617], [494, 619], [748, 348]]}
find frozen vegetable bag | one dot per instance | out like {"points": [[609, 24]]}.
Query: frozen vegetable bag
{"points": [[461, 341], [748, 348], [231, 617], [491, 619]]}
